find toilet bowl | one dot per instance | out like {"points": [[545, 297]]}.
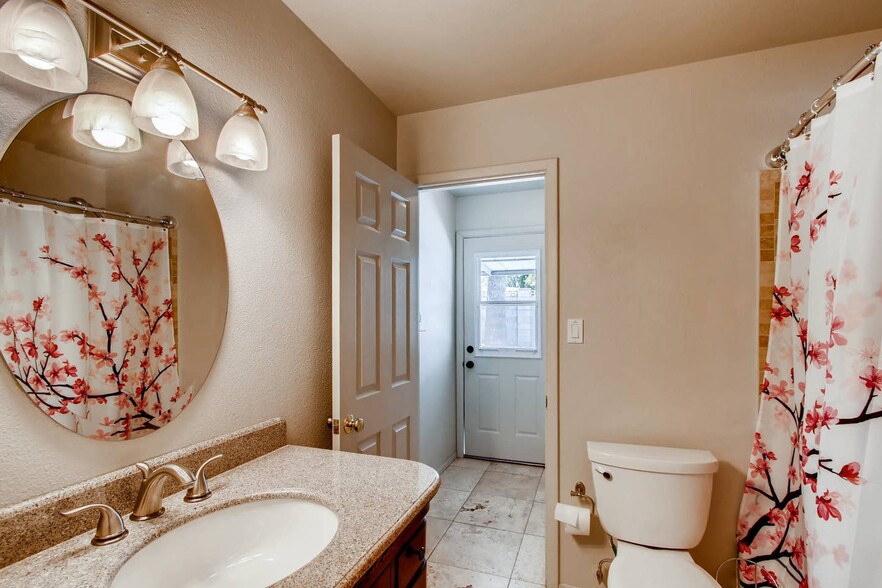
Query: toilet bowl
{"points": [[655, 502], [636, 566]]}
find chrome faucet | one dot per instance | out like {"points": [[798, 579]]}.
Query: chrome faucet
{"points": [[149, 502]]}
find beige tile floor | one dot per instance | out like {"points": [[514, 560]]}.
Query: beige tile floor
{"points": [[486, 527]]}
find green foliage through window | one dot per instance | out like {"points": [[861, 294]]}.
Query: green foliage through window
{"points": [[522, 281]]}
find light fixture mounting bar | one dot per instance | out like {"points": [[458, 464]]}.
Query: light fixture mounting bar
{"points": [[163, 49]]}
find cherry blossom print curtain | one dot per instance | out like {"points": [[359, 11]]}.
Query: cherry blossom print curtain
{"points": [[86, 320], [811, 516]]}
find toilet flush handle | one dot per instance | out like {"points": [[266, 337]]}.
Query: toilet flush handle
{"points": [[606, 475]]}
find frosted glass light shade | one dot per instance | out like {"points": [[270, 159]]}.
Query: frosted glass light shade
{"points": [[181, 163], [242, 142], [40, 45], [163, 104], [105, 123]]}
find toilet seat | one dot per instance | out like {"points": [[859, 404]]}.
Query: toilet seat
{"points": [[636, 566]]}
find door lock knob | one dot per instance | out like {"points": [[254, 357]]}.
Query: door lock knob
{"points": [[352, 424], [470, 364]]}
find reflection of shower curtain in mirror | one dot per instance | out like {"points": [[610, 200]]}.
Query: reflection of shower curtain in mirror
{"points": [[811, 516], [86, 320]]}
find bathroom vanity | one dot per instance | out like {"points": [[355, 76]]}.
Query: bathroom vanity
{"points": [[372, 532], [403, 565]]}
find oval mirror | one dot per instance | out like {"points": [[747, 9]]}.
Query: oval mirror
{"points": [[110, 318]]}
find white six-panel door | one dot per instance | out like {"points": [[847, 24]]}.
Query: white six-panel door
{"points": [[504, 375], [374, 289]]}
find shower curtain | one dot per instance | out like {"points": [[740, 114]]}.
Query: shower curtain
{"points": [[86, 320], [811, 515]]}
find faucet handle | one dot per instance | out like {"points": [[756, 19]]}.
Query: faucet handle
{"points": [[111, 527], [145, 469], [199, 491]]}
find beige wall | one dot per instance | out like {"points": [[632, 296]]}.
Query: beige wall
{"points": [[658, 248], [275, 358]]}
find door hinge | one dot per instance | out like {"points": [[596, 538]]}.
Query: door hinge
{"points": [[334, 425], [546, 402]]}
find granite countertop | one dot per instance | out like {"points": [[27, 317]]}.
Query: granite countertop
{"points": [[375, 498]]}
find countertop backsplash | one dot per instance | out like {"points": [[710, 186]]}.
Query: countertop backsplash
{"points": [[31, 526]]}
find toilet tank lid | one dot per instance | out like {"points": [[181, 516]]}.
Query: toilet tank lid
{"points": [[648, 458]]}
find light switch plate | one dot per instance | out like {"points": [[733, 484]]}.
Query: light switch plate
{"points": [[575, 330]]}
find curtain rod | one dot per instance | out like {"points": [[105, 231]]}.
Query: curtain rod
{"points": [[163, 49], [166, 222], [777, 157]]}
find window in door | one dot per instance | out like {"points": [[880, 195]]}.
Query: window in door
{"points": [[508, 304]]}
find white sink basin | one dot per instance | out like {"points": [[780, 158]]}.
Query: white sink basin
{"points": [[249, 544]]}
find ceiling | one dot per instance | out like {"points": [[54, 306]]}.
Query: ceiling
{"points": [[418, 55]]}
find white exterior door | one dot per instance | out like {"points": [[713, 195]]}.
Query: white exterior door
{"points": [[374, 288], [504, 375]]}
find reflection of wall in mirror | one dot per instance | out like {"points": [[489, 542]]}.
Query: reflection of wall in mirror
{"points": [[28, 169]]}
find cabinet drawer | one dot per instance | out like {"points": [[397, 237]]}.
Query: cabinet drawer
{"points": [[411, 559]]}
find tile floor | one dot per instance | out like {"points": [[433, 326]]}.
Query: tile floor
{"points": [[486, 527]]}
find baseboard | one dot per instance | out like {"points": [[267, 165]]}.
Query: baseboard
{"points": [[447, 462], [567, 586]]}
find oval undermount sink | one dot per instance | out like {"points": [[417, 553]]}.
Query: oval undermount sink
{"points": [[249, 544]]}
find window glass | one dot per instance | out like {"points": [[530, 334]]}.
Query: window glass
{"points": [[508, 326], [508, 302], [508, 279]]}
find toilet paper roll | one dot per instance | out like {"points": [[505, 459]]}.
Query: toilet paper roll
{"points": [[576, 519]]}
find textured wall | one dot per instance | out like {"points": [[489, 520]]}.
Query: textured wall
{"points": [[659, 176], [275, 357]]}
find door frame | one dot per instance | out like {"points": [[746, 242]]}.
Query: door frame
{"points": [[461, 236], [549, 169]]}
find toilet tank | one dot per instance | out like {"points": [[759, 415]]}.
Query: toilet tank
{"points": [[654, 496]]}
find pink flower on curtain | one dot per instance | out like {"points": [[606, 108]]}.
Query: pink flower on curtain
{"points": [[872, 378], [827, 506]]}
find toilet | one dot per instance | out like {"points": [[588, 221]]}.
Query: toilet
{"points": [[654, 501]]}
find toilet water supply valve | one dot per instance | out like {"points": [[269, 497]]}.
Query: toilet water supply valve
{"points": [[600, 574]]}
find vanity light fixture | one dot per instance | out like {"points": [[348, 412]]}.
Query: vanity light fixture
{"points": [[242, 142], [39, 44], [163, 104], [104, 123], [179, 162]]}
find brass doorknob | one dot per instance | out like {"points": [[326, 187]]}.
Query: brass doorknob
{"points": [[351, 424]]}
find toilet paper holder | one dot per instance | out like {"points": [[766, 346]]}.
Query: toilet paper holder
{"points": [[579, 492]]}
